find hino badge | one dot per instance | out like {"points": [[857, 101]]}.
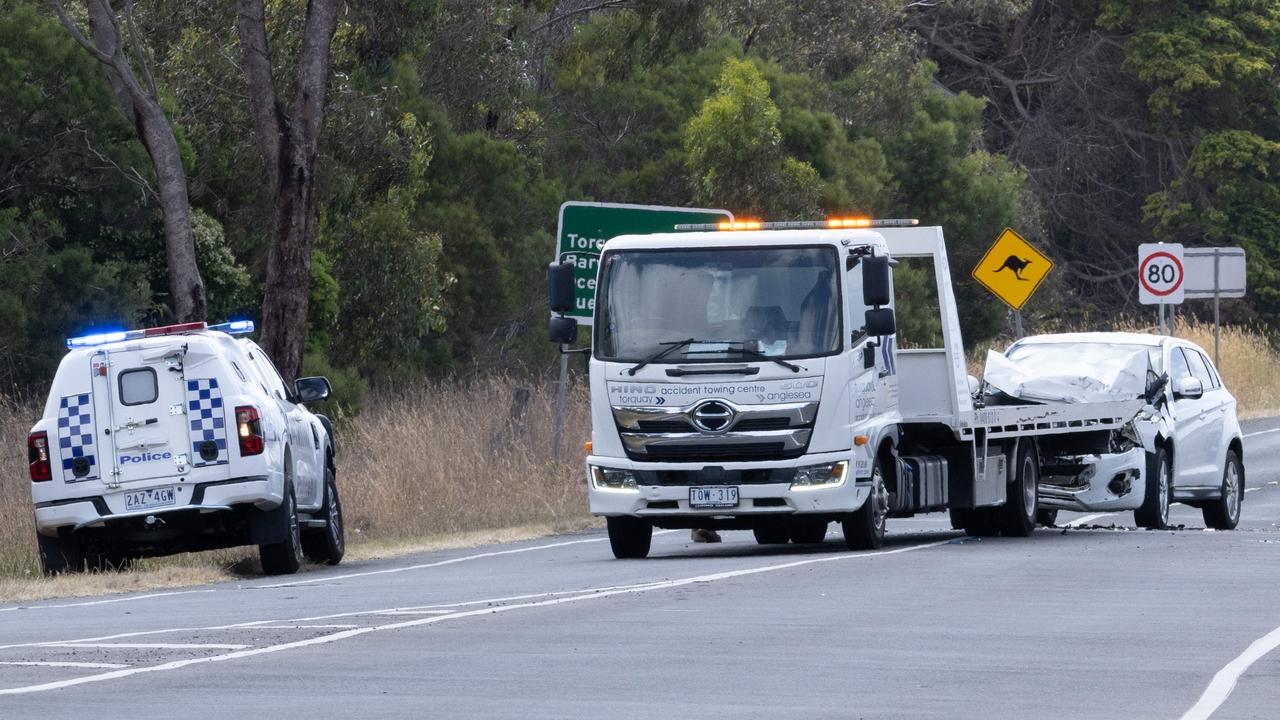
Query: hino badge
{"points": [[746, 375], [181, 438]]}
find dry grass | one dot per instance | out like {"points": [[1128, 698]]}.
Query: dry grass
{"points": [[422, 469]]}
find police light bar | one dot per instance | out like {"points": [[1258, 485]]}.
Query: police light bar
{"points": [[828, 224], [235, 327], [85, 341]]}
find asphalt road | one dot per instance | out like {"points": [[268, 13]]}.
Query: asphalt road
{"points": [[1093, 621]]}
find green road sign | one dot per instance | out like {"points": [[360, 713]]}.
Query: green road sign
{"points": [[585, 226]]}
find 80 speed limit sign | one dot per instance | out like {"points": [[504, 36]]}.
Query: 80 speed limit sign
{"points": [[1160, 274]]}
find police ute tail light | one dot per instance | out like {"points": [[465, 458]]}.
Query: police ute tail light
{"points": [[38, 457], [249, 430]]}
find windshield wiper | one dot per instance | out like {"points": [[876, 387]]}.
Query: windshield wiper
{"points": [[757, 354], [671, 346]]}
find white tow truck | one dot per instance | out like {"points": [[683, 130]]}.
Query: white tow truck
{"points": [[746, 375]]}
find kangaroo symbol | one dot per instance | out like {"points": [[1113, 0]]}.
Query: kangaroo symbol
{"points": [[1016, 264]]}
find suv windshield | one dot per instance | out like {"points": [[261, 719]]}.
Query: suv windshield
{"points": [[734, 303]]}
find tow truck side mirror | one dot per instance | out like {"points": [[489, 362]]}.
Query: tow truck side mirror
{"points": [[311, 389], [560, 287], [881, 322], [563, 330], [875, 282]]}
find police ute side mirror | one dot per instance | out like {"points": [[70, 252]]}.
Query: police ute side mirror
{"points": [[563, 330], [311, 389], [1187, 387], [560, 278], [881, 322], [875, 282]]}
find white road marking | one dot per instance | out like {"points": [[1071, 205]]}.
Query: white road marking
{"points": [[44, 663], [87, 603], [438, 563], [149, 646], [344, 634], [412, 612], [1251, 489], [282, 627], [1225, 680], [1086, 519], [1262, 432]]}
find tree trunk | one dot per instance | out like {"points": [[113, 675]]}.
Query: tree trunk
{"points": [[142, 109], [290, 143]]}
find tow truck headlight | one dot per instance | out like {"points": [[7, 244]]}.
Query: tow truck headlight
{"points": [[613, 479], [826, 475]]}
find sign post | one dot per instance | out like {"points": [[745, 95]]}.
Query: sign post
{"points": [[1215, 272], [1161, 276], [1012, 269], [583, 229]]}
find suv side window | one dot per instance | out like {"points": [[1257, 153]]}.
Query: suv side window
{"points": [[1200, 369], [1178, 367]]}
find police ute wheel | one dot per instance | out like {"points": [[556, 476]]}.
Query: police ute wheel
{"points": [[1154, 513], [285, 557], [1017, 517], [629, 537], [1224, 513], [864, 527], [59, 554], [326, 545]]}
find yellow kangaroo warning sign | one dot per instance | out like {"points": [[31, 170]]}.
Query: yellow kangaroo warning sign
{"points": [[1012, 269]]}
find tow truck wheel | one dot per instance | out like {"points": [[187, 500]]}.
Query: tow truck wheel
{"points": [[1017, 518], [629, 537], [864, 527], [1224, 513], [771, 534], [808, 532], [1154, 513]]}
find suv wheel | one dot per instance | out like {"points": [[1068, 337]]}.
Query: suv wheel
{"points": [[1224, 513], [1154, 513]]}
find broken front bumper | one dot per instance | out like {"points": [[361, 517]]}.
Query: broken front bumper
{"points": [[1109, 482]]}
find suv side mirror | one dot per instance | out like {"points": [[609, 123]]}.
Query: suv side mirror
{"points": [[1188, 387], [311, 389], [560, 279], [563, 330], [880, 322], [875, 282]]}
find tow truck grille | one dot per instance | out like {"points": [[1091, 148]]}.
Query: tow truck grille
{"points": [[750, 432]]}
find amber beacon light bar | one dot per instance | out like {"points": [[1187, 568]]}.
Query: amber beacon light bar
{"points": [[828, 224]]}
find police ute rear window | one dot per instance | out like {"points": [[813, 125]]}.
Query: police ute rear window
{"points": [[138, 386]]}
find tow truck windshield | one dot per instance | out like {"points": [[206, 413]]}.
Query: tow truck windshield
{"points": [[765, 303]]}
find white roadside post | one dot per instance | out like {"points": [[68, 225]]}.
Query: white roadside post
{"points": [[1161, 273]]}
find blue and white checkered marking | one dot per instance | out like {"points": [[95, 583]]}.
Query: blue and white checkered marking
{"points": [[208, 419], [76, 434]]}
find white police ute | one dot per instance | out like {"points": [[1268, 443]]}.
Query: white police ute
{"points": [[177, 439]]}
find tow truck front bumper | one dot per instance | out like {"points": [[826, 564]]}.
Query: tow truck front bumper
{"points": [[671, 501], [1109, 482]]}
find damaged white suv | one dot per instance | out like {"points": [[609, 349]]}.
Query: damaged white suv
{"points": [[1184, 446], [176, 439]]}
